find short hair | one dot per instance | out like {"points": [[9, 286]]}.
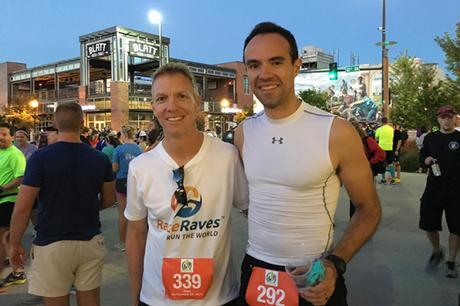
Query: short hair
{"points": [[50, 129], [175, 68], [384, 120], [269, 28], [127, 131], [7, 126], [22, 131], [358, 128], [68, 117]]}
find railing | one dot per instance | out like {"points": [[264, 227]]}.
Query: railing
{"points": [[68, 93], [139, 102], [210, 106], [46, 95]]}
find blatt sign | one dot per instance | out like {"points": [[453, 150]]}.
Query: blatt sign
{"points": [[142, 49], [98, 49]]}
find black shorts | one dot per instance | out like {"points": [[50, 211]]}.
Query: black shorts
{"points": [[120, 185], [231, 303], [338, 298], [389, 157], [440, 197], [6, 211]]}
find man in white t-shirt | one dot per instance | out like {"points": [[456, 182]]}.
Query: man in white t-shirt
{"points": [[180, 196], [295, 158]]}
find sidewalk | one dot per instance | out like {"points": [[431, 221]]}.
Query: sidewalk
{"points": [[388, 271]]}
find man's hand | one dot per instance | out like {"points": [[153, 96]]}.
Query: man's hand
{"points": [[17, 255], [429, 160], [320, 294], [396, 152]]}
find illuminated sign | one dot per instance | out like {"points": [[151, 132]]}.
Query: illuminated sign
{"points": [[98, 49], [142, 49], [88, 107], [231, 110]]}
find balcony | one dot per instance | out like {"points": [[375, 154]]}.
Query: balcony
{"points": [[210, 107]]}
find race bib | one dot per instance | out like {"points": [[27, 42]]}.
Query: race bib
{"points": [[187, 278], [269, 287]]}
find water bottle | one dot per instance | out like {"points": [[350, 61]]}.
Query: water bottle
{"points": [[435, 169]]}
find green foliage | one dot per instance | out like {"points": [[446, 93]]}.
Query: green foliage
{"points": [[416, 93], [409, 157], [451, 48], [19, 116], [315, 98]]}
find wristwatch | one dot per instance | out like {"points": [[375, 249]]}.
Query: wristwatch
{"points": [[339, 263]]}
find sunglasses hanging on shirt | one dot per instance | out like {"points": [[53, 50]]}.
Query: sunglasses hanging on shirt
{"points": [[180, 193]]}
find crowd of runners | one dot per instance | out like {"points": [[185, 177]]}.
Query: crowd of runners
{"points": [[175, 187]]}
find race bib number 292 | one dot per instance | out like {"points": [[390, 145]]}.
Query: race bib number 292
{"points": [[273, 288]]}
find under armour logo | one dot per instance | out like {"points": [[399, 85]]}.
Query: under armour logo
{"points": [[280, 140]]}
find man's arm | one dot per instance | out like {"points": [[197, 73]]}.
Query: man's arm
{"points": [[107, 194], [136, 236], [12, 184], [347, 154], [348, 157], [398, 147], [425, 157], [115, 167], [19, 221]]}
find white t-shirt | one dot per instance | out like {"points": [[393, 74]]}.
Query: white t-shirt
{"points": [[214, 180], [293, 187]]}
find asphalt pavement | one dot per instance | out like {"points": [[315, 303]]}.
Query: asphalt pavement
{"points": [[388, 271]]}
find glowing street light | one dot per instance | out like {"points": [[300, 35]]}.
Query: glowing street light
{"points": [[224, 103], [33, 103], [156, 18]]}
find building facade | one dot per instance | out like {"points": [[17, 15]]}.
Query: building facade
{"points": [[112, 81], [315, 58]]}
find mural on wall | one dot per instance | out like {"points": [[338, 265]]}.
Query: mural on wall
{"points": [[354, 95]]}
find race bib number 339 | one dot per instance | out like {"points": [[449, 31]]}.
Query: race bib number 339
{"points": [[187, 278], [269, 287]]}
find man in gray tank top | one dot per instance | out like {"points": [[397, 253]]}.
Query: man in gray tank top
{"points": [[295, 157]]}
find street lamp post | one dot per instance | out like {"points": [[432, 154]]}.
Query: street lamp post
{"points": [[385, 78], [156, 18], [385, 70]]}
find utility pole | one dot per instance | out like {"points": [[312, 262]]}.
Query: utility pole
{"points": [[385, 70], [385, 78]]}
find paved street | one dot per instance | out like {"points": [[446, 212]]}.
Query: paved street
{"points": [[389, 270]]}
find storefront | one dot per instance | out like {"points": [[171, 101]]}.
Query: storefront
{"points": [[112, 80]]}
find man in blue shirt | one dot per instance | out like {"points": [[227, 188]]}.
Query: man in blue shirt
{"points": [[72, 182]]}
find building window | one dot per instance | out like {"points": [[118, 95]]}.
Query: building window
{"points": [[246, 85]]}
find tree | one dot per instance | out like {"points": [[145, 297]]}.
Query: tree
{"points": [[19, 116], [451, 49], [240, 116], [316, 98], [416, 93]]}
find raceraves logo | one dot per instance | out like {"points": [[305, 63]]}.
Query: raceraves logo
{"points": [[279, 140], [194, 201], [453, 145]]}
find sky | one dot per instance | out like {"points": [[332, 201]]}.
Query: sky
{"points": [[38, 32]]}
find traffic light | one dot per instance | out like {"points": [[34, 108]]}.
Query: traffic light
{"points": [[333, 73]]}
